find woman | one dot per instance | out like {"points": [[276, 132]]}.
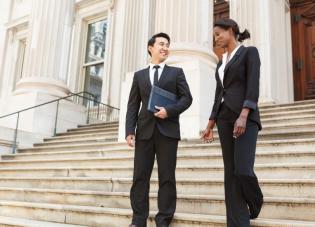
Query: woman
{"points": [[236, 114]]}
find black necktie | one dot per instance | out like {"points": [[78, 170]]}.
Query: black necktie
{"points": [[156, 74]]}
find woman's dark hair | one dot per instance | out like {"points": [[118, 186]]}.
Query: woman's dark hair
{"points": [[153, 38], [227, 23]]}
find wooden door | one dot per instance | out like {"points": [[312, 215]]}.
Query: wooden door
{"points": [[221, 10], [303, 47]]}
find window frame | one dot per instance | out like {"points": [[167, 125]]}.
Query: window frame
{"points": [[85, 65]]}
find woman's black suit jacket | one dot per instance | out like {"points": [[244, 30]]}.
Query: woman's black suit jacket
{"points": [[240, 84]]}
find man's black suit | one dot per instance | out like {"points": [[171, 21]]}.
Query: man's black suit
{"points": [[155, 136], [240, 89]]}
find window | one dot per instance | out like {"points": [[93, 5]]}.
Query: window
{"points": [[19, 61], [94, 58]]}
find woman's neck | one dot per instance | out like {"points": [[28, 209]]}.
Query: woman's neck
{"points": [[231, 47]]}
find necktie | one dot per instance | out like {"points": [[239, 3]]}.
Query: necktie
{"points": [[156, 74]]}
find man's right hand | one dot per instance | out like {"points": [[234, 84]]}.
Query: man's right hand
{"points": [[130, 140]]}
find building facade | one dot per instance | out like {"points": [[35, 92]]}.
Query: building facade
{"points": [[51, 48]]}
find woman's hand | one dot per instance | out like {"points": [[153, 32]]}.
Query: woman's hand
{"points": [[207, 134], [240, 123]]}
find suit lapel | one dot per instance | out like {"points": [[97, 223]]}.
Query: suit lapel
{"points": [[235, 57], [146, 73]]}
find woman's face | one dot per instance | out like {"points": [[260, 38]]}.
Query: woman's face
{"points": [[222, 37]]}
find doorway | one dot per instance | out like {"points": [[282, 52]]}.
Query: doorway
{"points": [[303, 48]]}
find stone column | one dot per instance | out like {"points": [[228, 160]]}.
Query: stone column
{"points": [[189, 24], [4, 16], [269, 25], [45, 71], [134, 24], [47, 52]]}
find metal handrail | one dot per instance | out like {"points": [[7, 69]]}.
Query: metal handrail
{"points": [[79, 94], [56, 100]]}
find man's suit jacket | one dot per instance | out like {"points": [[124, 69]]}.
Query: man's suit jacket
{"points": [[240, 84], [173, 80]]}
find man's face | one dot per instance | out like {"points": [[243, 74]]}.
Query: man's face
{"points": [[160, 49]]}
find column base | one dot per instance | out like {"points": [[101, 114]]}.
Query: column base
{"points": [[43, 85]]}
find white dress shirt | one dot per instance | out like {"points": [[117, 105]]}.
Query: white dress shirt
{"points": [[152, 71], [225, 61]]}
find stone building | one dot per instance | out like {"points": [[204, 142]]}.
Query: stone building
{"points": [[51, 48]]}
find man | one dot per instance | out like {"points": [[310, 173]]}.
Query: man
{"points": [[156, 133]]}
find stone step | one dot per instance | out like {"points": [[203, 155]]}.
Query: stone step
{"points": [[95, 127], [274, 207], [274, 127], [279, 171], [103, 217], [105, 124], [68, 154], [22, 222], [73, 147], [279, 132], [95, 158], [267, 145], [89, 131], [305, 144], [274, 113], [287, 105], [195, 153], [79, 140], [270, 187], [295, 120], [287, 125], [288, 108], [90, 128], [267, 120], [284, 133], [79, 137]]}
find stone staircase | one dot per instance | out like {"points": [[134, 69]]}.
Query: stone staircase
{"points": [[83, 177]]}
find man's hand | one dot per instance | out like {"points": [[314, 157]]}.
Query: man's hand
{"points": [[130, 140], [161, 113]]}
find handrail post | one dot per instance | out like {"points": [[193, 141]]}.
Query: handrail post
{"points": [[88, 113], [98, 111], [56, 118], [15, 133]]}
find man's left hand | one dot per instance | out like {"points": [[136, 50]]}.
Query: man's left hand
{"points": [[161, 113]]}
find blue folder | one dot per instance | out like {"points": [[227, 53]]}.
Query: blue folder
{"points": [[160, 97]]}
